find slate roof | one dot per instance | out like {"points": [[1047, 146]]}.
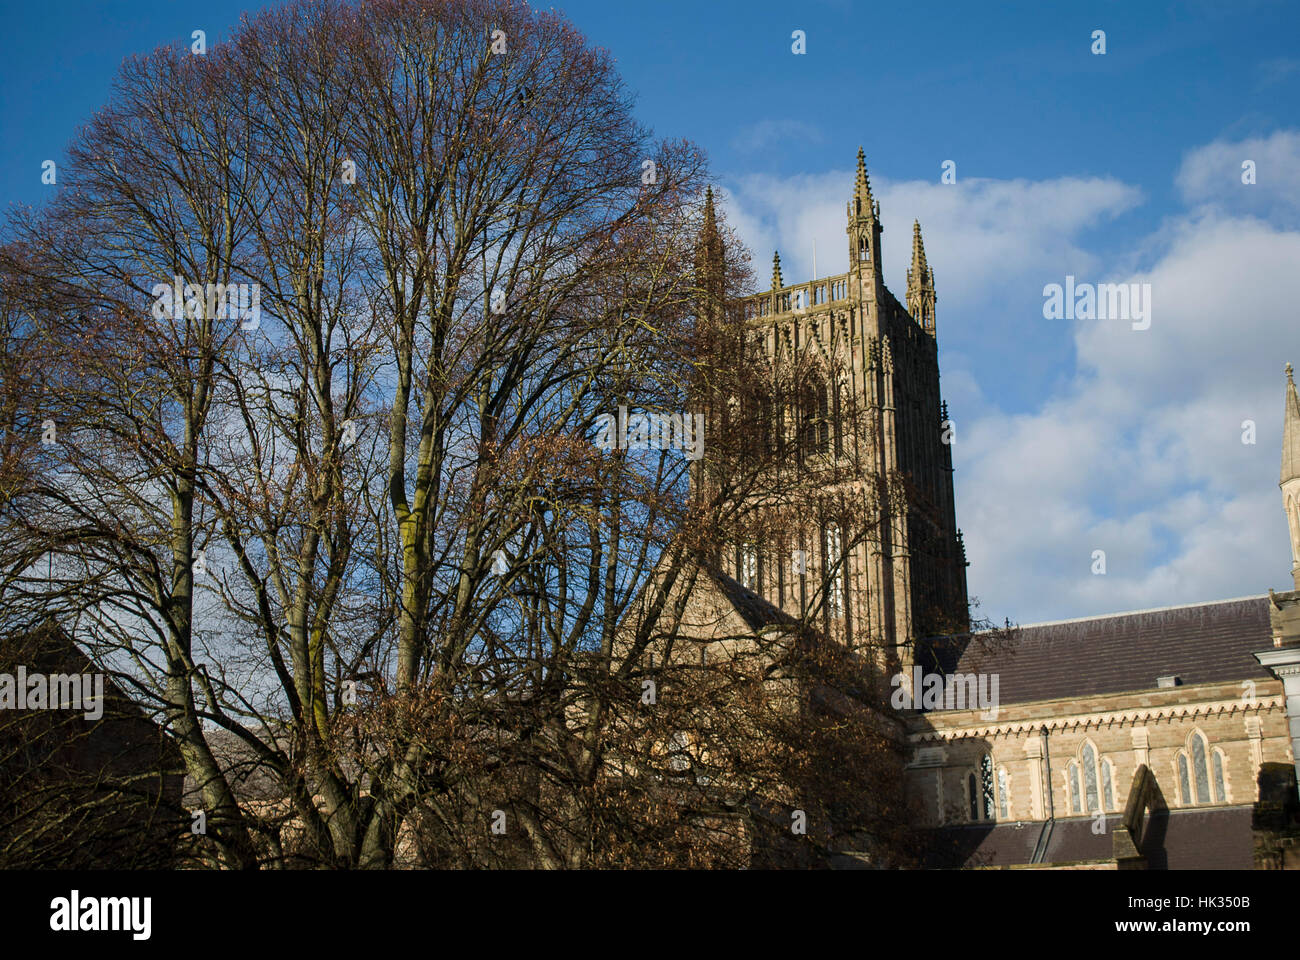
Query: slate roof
{"points": [[750, 607], [1206, 838], [1123, 652]]}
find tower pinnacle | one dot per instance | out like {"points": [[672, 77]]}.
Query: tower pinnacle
{"points": [[862, 187], [918, 249], [920, 283], [1291, 470], [864, 229], [710, 261], [1291, 430], [777, 283]]}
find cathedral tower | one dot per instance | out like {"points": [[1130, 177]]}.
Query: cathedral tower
{"points": [[905, 578]]}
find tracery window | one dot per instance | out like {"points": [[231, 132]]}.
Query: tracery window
{"points": [[1091, 781], [816, 414], [1200, 772]]}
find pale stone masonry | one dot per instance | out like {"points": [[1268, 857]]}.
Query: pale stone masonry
{"points": [[1242, 718], [1184, 711], [1190, 693], [909, 576]]}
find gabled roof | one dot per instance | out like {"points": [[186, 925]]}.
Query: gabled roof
{"points": [[1199, 838], [1198, 643], [749, 606]]}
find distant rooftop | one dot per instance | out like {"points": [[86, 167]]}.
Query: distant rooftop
{"points": [[1133, 613], [1197, 643]]}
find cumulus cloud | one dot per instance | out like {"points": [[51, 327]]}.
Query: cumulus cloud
{"points": [[1212, 176], [1134, 444], [981, 233]]}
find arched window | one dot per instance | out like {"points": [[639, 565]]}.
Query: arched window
{"points": [[749, 567], [1200, 772], [1090, 777], [1004, 798], [816, 416], [837, 415], [833, 553], [823, 419], [1201, 768], [980, 789], [986, 783]]}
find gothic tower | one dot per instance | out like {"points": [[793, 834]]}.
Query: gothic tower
{"points": [[904, 579]]}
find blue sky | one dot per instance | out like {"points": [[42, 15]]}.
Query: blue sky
{"points": [[1072, 436]]}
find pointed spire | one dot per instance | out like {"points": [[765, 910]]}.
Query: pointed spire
{"points": [[918, 249], [777, 283], [920, 283], [710, 261], [862, 187], [1291, 431]]}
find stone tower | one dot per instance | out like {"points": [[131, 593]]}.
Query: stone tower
{"points": [[906, 579]]}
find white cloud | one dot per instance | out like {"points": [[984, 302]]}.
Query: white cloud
{"points": [[1211, 176], [979, 234]]}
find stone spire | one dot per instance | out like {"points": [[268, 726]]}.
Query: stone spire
{"points": [[919, 266], [1291, 471], [1291, 431], [710, 260], [777, 283], [864, 230], [920, 283], [710, 220], [862, 188]]}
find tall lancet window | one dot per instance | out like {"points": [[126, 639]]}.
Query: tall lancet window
{"points": [[981, 790], [863, 250], [834, 555], [749, 567], [816, 415], [1200, 772], [837, 417], [1090, 777]]}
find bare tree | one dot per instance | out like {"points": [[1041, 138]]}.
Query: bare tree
{"points": [[333, 323]]}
